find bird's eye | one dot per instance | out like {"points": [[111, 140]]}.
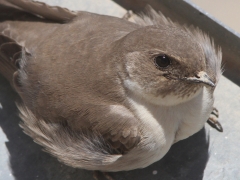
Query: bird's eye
{"points": [[162, 61]]}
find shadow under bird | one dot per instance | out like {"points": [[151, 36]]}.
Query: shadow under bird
{"points": [[103, 93]]}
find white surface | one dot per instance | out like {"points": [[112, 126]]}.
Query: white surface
{"points": [[4, 157], [105, 7], [224, 160]]}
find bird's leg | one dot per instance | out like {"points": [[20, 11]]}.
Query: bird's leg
{"points": [[107, 176], [213, 120], [128, 15], [97, 175]]}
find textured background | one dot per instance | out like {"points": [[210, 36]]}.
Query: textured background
{"points": [[206, 155]]}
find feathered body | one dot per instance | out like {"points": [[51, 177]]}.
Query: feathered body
{"points": [[91, 95]]}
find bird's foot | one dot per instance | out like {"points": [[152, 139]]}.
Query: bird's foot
{"points": [[213, 120], [98, 175]]}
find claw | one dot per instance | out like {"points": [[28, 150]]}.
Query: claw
{"points": [[97, 175], [213, 120], [215, 124], [107, 176], [215, 112]]}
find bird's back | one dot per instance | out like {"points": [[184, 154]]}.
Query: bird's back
{"points": [[61, 69], [61, 54]]}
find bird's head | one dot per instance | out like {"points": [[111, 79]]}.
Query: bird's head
{"points": [[168, 64]]}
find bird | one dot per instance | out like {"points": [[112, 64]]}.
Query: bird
{"points": [[103, 93]]}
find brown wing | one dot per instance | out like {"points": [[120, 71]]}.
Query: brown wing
{"points": [[115, 123], [13, 36]]}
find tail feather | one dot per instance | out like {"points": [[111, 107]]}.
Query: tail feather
{"points": [[49, 12]]}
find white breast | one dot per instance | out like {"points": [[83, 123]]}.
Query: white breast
{"points": [[164, 125]]}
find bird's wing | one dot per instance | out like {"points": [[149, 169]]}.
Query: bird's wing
{"points": [[54, 13], [103, 132], [115, 123], [93, 144], [14, 13]]}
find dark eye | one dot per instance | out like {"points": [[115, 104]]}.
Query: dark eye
{"points": [[162, 61]]}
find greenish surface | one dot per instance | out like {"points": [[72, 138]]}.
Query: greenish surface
{"points": [[207, 155]]}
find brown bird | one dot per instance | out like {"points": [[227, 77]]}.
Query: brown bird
{"points": [[103, 93]]}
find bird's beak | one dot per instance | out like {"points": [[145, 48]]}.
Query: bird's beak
{"points": [[201, 77]]}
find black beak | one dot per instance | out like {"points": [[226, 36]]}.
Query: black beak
{"points": [[201, 77]]}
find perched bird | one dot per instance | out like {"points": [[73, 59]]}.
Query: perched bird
{"points": [[103, 93]]}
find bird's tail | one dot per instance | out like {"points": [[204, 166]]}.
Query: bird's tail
{"points": [[76, 149]]}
